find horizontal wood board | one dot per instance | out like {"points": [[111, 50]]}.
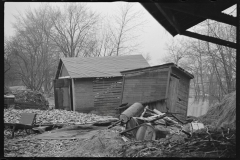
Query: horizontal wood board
{"points": [[107, 95]]}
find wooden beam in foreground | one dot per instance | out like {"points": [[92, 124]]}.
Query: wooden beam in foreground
{"points": [[210, 39], [220, 17], [170, 17]]}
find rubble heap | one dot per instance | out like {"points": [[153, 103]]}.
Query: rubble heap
{"points": [[202, 143], [173, 138], [222, 114], [30, 97]]}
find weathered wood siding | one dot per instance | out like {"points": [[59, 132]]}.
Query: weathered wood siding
{"points": [[64, 71], [98, 95], [173, 94], [183, 93], [84, 96], [145, 85], [107, 95], [62, 94]]}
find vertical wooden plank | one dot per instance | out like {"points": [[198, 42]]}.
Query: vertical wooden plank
{"points": [[65, 94], [183, 93], [55, 94], [188, 86], [70, 95], [172, 94], [84, 96], [168, 81], [60, 98], [123, 83], [73, 95]]}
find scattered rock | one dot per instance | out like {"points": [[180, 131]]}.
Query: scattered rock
{"points": [[54, 116]]}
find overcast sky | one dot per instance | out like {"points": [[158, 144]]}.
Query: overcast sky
{"points": [[153, 37]]}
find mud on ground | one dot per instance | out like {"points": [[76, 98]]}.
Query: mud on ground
{"points": [[97, 143]]}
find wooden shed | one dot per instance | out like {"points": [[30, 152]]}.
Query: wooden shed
{"points": [[161, 87], [93, 84]]}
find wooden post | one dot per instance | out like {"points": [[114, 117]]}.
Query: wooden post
{"points": [[167, 88], [55, 95], [170, 17], [123, 83], [73, 95]]}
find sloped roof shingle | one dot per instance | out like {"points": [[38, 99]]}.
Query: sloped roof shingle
{"points": [[111, 66]]}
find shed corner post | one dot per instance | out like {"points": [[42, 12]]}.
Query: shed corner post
{"points": [[123, 83], [189, 87], [73, 94], [55, 94], [168, 81]]}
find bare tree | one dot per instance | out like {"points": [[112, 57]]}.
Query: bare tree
{"points": [[213, 66], [176, 51], [9, 75], [32, 50], [7, 65], [74, 28], [124, 30]]}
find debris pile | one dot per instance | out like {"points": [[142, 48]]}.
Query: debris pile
{"points": [[163, 135], [28, 96], [142, 123], [53, 116], [222, 114], [203, 143]]}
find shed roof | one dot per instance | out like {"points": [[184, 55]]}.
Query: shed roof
{"points": [[110, 66], [161, 66]]}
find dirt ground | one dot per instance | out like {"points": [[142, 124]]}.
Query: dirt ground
{"points": [[96, 143], [104, 143]]}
